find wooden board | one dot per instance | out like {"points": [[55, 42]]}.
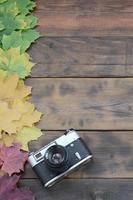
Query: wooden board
{"points": [[85, 6], [82, 57], [79, 51], [112, 153], [81, 70], [82, 103], [93, 189], [88, 18]]}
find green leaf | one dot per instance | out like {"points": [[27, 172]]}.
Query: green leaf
{"points": [[2, 1], [10, 23], [25, 22], [25, 6], [13, 62], [30, 35], [31, 21], [24, 39], [9, 7], [11, 41], [1, 26], [13, 16], [24, 46], [17, 6]]}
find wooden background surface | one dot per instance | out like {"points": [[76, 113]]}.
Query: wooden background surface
{"points": [[84, 79]]}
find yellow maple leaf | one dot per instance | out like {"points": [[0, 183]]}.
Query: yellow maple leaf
{"points": [[26, 135], [16, 115], [12, 88], [29, 115], [3, 74], [7, 118], [7, 140]]}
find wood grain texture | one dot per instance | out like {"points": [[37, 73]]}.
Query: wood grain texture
{"points": [[112, 153], [100, 189], [84, 103], [81, 70], [88, 18], [88, 25], [82, 57], [79, 51], [85, 6]]}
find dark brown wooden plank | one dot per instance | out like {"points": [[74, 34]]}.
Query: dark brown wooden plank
{"points": [[86, 57], [84, 103], [88, 25], [79, 51], [81, 70], [85, 6], [129, 52], [112, 154], [88, 18], [100, 189]]}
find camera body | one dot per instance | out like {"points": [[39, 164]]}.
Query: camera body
{"points": [[60, 157]]}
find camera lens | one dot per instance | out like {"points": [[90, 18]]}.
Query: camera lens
{"points": [[56, 156]]}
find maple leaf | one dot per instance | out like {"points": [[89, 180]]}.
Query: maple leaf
{"points": [[2, 1], [16, 115], [8, 116], [9, 7], [25, 22], [24, 39], [11, 21], [25, 6], [7, 140], [9, 190], [13, 62], [7, 184], [12, 88], [27, 134], [24, 136], [12, 159], [1, 26], [29, 115], [2, 173]]}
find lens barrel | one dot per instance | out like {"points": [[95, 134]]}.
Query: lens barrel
{"points": [[56, 156]]}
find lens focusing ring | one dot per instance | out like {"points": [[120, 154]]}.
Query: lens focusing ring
{"points": [[56, 156]]}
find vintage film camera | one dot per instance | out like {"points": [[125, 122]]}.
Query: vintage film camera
{"points": [[60, 157]]}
